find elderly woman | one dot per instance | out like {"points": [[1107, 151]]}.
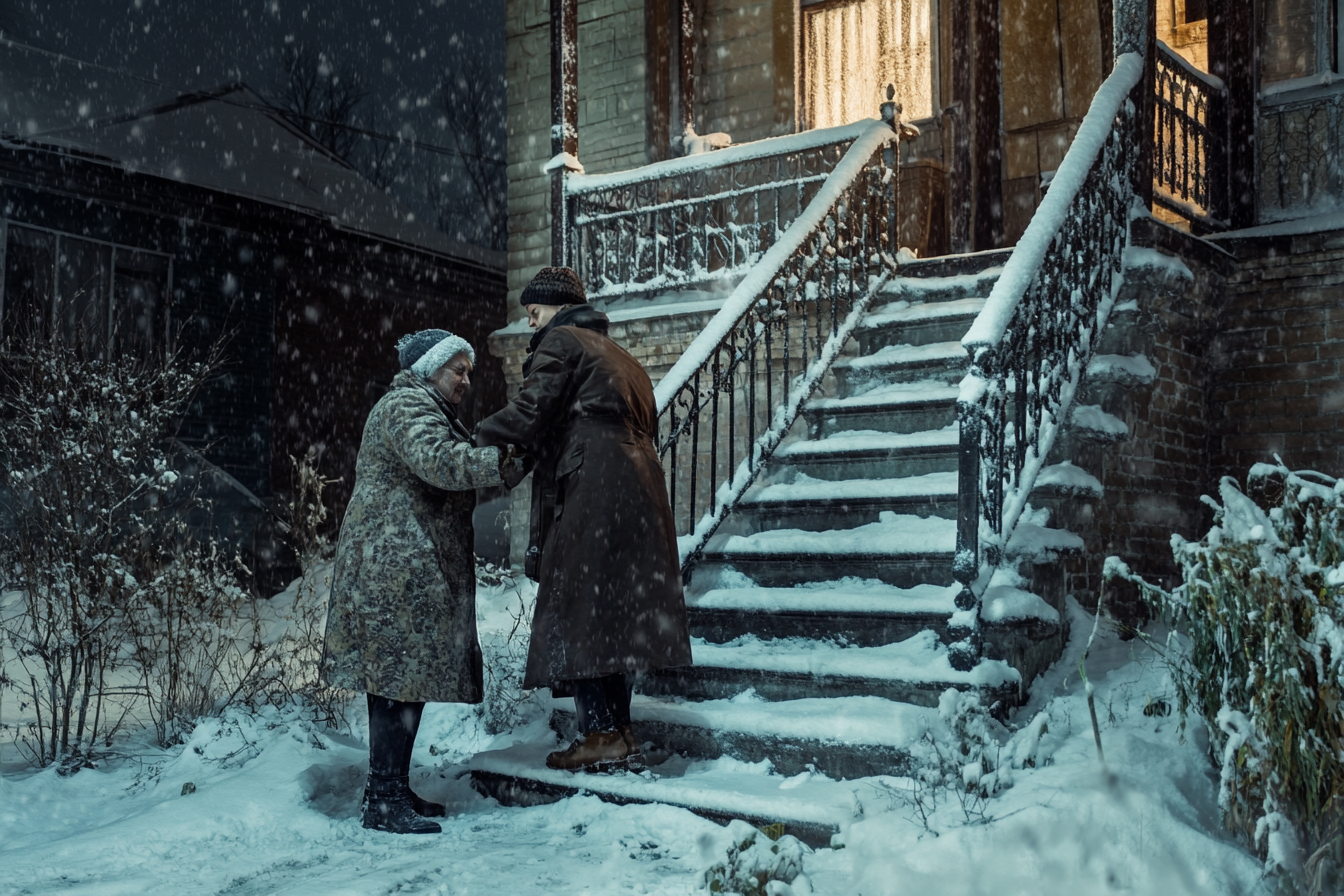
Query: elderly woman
{"points": [[402, 618]]}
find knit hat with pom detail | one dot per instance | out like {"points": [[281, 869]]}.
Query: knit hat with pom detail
{"points": [[425, 352], [554, 286]]}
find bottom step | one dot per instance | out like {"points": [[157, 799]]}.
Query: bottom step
{"points": [[839, 737], [810, 807]]}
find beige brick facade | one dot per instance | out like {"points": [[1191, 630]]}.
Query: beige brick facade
{"points": [[612, 114]]}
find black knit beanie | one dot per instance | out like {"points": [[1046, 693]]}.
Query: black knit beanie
{"points": [[554, 286]]}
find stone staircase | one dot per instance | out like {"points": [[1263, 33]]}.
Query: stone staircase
{"points": [[819, 610]]}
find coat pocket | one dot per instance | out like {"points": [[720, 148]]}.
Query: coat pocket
{"points": [[572, 460], [564, 470]]}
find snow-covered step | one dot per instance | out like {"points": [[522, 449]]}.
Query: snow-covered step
{"points": [[867, 454], [1064, 479], [1092, 423], [945, 361], [864, 613], [913, 283], [820, 504], [840, 737], [903, 323], [915, 671], [900, 549], [899, 407], [811, 807]]}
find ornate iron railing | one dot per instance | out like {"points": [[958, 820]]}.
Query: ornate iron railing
{"points": [[1033, 339], [1189, 160], [1300, 144], [728, 401], [696, 219]]}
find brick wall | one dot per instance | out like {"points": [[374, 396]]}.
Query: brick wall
{"points": [[1248, 359], [1153, 479], [1276, 362]]}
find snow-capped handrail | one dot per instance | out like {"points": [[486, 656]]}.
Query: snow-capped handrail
{"points": [[730, 155], [695, 220], [767, 348], [1035, 335]]}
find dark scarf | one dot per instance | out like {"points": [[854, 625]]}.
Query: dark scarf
{"points": [[584, 316], [454, 421]]}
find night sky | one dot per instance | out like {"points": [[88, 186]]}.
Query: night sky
{"points": [[398, 48]]}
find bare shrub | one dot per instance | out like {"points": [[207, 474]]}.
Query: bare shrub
{"points": [[81, 442], [506, 704], [120, 608]]}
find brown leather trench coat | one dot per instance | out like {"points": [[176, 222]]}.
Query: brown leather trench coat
{"points": [[609, 595]]}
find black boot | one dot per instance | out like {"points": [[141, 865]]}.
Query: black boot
{"points": [[423, 807], [392, 728], [387, 807]]}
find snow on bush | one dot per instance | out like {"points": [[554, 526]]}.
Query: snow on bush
{"points": [[1258, 653], [968, 757], [759, 863], [117, 609]]}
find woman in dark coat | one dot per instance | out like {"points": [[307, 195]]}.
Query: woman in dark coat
{"points": [[401, 623], [602, 548]]}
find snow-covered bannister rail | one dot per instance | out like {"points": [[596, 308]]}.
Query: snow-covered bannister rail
{"points": [[695, 219], [727, 402], [1189, 161], [1032, 341]]}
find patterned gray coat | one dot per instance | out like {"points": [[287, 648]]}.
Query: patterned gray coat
{"points": [[401, 622]]}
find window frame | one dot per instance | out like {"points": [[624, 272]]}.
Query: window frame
{"points": [[54, 311], [803, 7]]}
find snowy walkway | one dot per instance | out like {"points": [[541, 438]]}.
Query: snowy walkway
{"points": [[274, 813]]}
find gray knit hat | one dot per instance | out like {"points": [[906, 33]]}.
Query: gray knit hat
{"points": [[554, 286], [425, 352]]}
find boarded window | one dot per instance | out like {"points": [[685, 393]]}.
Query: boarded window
{"points": [[852, 49]]}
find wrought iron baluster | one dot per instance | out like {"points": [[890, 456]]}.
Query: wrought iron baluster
{"points": [[695, 446]]}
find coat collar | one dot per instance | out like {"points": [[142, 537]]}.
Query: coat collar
{"points": [[584, 316], [408, 380]]}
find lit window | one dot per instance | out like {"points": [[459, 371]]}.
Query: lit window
{"points": [[852, 49]]}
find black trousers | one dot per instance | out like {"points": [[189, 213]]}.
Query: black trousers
{"points": [[602, 704], [392, 728]]}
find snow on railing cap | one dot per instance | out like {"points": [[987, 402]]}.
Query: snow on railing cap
{"points": [[565, 160], [741, 152]]}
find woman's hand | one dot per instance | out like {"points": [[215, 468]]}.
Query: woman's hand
{"points": [[514, 465]]}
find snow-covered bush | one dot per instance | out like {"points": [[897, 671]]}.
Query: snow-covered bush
{"points": [[118, 608], [960, 759], [1258, 652], [86, 480], [505, 704], [759, 864]]}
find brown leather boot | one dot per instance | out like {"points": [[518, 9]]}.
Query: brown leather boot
{"points": [[594, 751], [631, 739]]}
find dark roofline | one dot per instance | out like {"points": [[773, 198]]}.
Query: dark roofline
{"points": [[474, 256]]}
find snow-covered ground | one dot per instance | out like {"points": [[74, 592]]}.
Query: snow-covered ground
{"points": [[274, 811]]}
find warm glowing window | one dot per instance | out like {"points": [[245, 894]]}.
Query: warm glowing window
{"points": [[853, 48]]}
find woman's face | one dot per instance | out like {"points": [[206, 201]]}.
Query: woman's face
{"points": [[454, 378], [539, 316]]}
